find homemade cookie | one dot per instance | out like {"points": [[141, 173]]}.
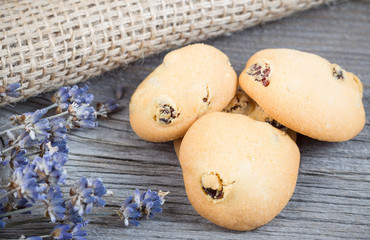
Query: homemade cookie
{"points": [[238, 173], [305, 93], [191, 81]]}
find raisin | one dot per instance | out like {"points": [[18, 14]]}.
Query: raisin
{"points": [[261, 72], [215, 194], [212, 185], [167, 114], [276, 124], [206, 98], [238, 105], [338, 72]]}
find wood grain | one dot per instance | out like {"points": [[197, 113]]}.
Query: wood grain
{"points": [[332, 197]]}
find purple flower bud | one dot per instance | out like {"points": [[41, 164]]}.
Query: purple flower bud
{"points": [[110, 106], [55, 207], [61, 232], [86, 194], [25, 181], [10, 90]]}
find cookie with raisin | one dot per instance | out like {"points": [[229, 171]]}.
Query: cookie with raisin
{"points": [[191, 81], [305, 93], [239, 173]]}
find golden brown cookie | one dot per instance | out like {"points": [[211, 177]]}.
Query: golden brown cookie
{"points": [[305, 93], [191, 81], [238, 173]]}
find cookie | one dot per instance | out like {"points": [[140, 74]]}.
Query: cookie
{"points": [[238, 173], [305, 93], [191, 81]]}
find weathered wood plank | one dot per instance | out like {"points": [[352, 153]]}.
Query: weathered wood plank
{"points": [[332, 197]]}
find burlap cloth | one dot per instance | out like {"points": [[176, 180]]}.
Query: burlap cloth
{"points": [[47, 44]]}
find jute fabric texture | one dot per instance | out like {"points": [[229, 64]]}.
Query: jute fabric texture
{"points": [[47, 44]]}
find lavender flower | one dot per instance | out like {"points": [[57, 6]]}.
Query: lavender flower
{"points": [[36, 127], [85, 194], [150, 203], [25, 182], [2, 223], [15, 157], [58, 129], [72, 215], [10, 90], [99, 191], [49, 168], [2, 206], [65, 96], [55, 206], [60, 147], [128, 212], [62, 232], [134, 207], [110, 106], [80, 96], [78, 233], [22, 203], [82, 116], [61, 97], [25, 140], [39, 179]]}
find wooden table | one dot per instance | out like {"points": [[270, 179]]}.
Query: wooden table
{"points": [[332, 197]]}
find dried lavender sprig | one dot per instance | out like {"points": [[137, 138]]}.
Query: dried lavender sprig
{"points": [[13, 121], [23, 126], [63, 231], [49, 133], [84, 195], [103, 109], [135, 207]]}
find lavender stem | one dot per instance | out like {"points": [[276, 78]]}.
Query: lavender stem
{"points": [[58, 115], [20, 211], [12, 129], [50, 107], [14, 224], [7, 194], [7, 124]]}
